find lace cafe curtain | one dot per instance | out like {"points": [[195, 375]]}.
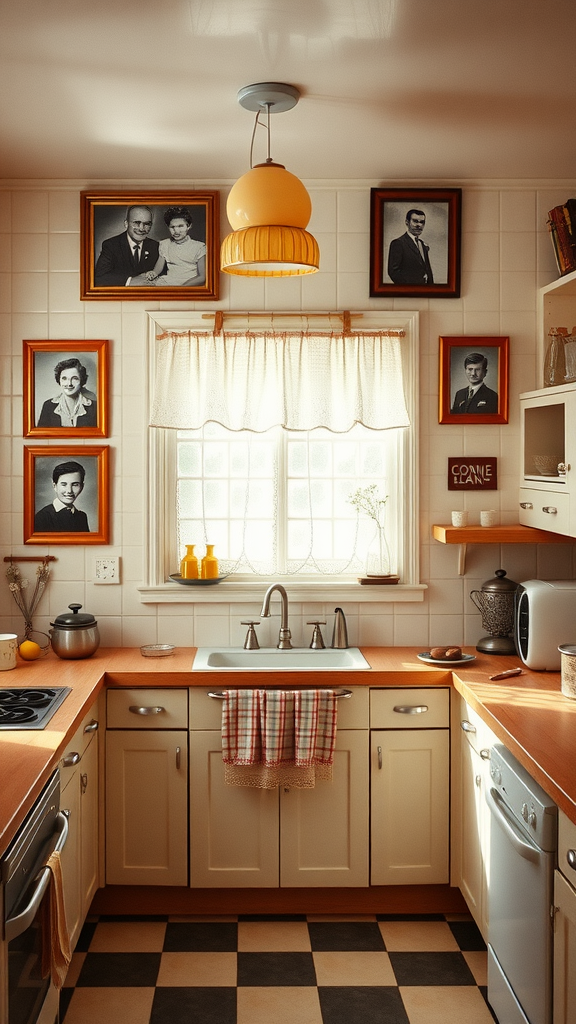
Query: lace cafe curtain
{"points": [[274, 431]]}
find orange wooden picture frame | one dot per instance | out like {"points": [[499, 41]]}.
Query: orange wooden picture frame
{"points": [[40, 463]]}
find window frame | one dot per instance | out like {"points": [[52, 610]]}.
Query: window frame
{"points": [[160, 533]]}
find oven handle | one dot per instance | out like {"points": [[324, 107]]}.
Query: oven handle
{"points": [[498, 809], [15, 926]]}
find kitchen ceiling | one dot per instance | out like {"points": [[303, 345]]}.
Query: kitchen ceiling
{"points": [[391, 90]]}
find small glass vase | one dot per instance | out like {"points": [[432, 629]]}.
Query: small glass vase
{"points": [[209, 566], [189, 569], [378, 554]]}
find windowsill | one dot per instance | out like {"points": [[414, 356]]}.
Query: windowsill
{"points": [[240, 592]]}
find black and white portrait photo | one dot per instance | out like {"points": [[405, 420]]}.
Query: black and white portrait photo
{"points": [[66, 495], [65, 388], [473, 381]]}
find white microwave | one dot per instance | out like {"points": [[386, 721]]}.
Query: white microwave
{"points": [[545, 617]]}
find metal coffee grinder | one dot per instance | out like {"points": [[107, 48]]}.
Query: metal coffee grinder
{"points": [[495, 602]]}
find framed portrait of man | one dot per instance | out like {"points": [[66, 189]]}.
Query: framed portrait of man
{"points": [[66, 494], [415, 242], [65, 388], [149, 245], [473, 379]]}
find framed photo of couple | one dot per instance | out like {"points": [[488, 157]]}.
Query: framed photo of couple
{"points": [[415, 242], [65, 388], [66, 494], [149, 245]]}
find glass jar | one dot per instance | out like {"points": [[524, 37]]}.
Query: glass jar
{"points": [[378, 554]]}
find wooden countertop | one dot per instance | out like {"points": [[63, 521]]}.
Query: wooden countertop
{"points": [[528, 713]]}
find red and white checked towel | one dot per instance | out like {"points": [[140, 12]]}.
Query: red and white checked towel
{"points": [[278, 737]]}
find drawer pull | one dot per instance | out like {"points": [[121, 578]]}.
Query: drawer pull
{"points": [[563, 468], [83, 783], [571, 858], [135, 710], [550, 509], [379, 749], [467, 726], [91, 727], [70, 759], [410, 709], [485, 754], [178, 759], [526, 504]]}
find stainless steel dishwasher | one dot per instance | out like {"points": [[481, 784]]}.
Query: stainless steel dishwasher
{"points": [[523, 842]]}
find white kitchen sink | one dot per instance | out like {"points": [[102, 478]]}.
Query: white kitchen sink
{"points": [[270, 659]]}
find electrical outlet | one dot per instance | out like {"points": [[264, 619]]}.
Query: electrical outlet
{"points": [[107, 570]]}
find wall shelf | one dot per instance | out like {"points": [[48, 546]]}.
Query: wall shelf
{"points": [[512, 534]]}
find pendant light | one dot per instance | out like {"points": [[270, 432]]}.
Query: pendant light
{"points": [[268, 207]]}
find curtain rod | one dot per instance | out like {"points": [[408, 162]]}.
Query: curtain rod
{"points": [[344, 315]]}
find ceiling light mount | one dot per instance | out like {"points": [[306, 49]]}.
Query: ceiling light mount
{"points": [[273, 96]]}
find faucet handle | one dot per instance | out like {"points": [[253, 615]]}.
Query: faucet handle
{"points": [[251, 641], [317, 642]]}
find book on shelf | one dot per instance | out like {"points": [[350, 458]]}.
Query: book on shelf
{"points": [[562, 228]]}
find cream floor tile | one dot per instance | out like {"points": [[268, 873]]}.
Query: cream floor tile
{"points": [[202, 969], [429, 1004], [477, 961], [359, 968], [273, 937], [74, 969], [184, 918], [128, 937], [341, 917], [417, 936], [278, 1006], [110, 1005]]}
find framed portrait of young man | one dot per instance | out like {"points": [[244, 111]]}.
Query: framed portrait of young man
{"points": [[149, 245], [66, 494], [65, 388], [415, 242], [473, 379]]}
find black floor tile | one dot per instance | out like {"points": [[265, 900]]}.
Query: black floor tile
{"points": [[345, 936], [85, 937], [431, 969], [134, 917], [201, 937], [111, 970], [65, 997], [276, 969], [410, 917], [467, 935], [272, 917], [194, 1006], [363, 1005]]}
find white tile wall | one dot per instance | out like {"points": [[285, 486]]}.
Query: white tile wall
{"points": [[506, 256]]}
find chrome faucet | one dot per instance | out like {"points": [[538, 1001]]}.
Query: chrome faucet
{"points": [[340, 632], [285, 634]]}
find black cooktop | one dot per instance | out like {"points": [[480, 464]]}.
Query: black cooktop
{"points": [[31, 708]]}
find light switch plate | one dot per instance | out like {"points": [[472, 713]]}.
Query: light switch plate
{"points": [[107, 570]]}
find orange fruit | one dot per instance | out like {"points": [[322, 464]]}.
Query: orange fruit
{"points": [[29, 650]]}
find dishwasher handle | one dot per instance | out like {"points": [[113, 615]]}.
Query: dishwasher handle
{"points": [[501, 814], [15, 926]]}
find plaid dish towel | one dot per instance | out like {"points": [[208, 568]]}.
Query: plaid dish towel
{"points": [[278, 737]]}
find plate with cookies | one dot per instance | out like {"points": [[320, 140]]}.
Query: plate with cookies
{"points": [[451, 655]]}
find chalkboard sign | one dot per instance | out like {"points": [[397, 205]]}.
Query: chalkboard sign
{"points": [[472, 474]]}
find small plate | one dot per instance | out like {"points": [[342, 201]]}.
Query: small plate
{"points": [[176, 577], [157, 650], [425, 656]]}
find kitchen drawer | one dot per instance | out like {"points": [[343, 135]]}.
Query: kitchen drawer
{"points": [[206, 712], [147, 709], [78, 743], [397, 708], [477, 733], [566, 842], [557, 521]]}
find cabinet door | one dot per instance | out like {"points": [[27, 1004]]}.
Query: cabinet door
{"points": [[71, 855], [564, 951], [473, 826], [410, 804], [89, 810], [324, 831], [233, 829], [146, 808]]}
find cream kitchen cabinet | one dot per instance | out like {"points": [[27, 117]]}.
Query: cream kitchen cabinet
{"points": [[565, 924], [548, 431], [243, 837], [410, 772], [147, 787], [471, 826], [79, 767]]}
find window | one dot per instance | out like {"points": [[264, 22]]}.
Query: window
{"points": [[277, 501]]}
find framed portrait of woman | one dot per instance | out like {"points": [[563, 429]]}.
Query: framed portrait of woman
{"points": [[65, 388], [66, 494]]}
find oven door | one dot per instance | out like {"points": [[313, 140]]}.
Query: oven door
{"points": [[32, 999]]}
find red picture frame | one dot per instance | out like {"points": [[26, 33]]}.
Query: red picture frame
{"points": [[489, 405]]}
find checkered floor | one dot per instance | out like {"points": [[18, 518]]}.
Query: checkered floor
{"points": [[296, 969]]}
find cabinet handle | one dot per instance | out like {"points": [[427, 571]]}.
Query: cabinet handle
{"points": [[526, 504], [550, 509], [411, 709], [485, 754], [379, 749], [70, 760], [478, 780], [467, 726], [178, 758], [83, 783], [145, 711], [91, 727], [571, 858], [563, 468]]}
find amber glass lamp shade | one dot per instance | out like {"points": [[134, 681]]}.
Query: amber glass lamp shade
{"points": [[269, 209]]}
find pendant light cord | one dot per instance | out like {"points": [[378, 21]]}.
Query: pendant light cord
{"points": [[267, 126]]}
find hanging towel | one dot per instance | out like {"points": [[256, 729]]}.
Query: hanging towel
{"points": [[56, 954], [278, 737]]}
